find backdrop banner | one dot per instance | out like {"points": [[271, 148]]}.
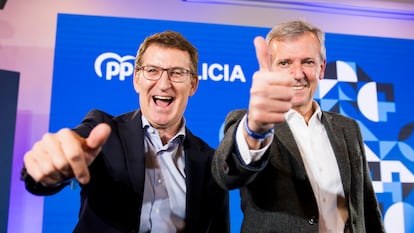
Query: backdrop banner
{"points": [[365, 79]]}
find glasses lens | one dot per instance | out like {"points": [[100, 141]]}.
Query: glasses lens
{"points": [[178, 74], [174, 74], [152, 73]]}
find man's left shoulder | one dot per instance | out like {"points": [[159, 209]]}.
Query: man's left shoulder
{"points": [[334, 116]]}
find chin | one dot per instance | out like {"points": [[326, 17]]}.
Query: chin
{"points": [[301, 104]]}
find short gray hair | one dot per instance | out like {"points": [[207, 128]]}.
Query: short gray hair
{"points": [[293, 29]]}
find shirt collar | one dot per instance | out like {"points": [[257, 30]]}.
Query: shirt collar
{"points": [[179, 136], [292, 113]]}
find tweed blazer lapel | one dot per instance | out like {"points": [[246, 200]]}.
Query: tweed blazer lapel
{"points": [[132, 136], [284, 136], [336, 135], [337, 139]]}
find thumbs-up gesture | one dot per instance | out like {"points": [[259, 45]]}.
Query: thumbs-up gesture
{"points": [[62, 155], [270, 94]]}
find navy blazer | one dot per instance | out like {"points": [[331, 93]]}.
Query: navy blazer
{"points": [[276, 192], [111, 201]]}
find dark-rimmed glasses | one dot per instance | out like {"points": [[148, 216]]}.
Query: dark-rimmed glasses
{"points": [[175, 74]]}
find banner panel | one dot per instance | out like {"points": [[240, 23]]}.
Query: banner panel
{"points": [[366, 80]]}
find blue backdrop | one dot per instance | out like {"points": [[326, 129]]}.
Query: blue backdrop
{"points": [[366, 79]]}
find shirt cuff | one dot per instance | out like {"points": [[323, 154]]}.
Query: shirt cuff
{"points": [[248, 156]]}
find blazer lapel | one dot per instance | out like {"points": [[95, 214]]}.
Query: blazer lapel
{"points": [[285, 137], [132, 137], [195, 170], [337, 138]]}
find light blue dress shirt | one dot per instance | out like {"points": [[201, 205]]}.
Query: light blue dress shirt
{"points": [[164, 201]]}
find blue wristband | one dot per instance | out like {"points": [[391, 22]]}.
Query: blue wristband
{"points": [[257, 136]]}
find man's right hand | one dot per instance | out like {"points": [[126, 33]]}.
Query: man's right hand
{"points": [[62, 155], [270, 94]]}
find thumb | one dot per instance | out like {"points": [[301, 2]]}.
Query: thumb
{"points": [[98, 136], [262, 53]]}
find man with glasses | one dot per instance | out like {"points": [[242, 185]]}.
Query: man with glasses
{"points": [[142, 171]]}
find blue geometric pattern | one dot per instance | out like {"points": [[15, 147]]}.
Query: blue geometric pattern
{"points": [[348, 90], [226, 67]]}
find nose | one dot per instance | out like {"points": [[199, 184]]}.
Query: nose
{"points": [[164, 81], [297, 71]]}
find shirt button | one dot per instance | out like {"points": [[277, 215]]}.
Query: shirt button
{"points": [[159, 181]]}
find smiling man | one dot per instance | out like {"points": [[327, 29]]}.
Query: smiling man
{"points": [[299, 169], [142, 171]]}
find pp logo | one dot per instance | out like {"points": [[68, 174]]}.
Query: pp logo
{"points": [[114, 66]]}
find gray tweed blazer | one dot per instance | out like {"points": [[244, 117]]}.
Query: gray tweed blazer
{"points": [[276, 194]]}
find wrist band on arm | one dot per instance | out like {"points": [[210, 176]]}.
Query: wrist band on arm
{"points": [[257, 136]]}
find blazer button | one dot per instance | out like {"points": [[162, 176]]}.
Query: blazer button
{"points": [[226, 167], [312, 220]]}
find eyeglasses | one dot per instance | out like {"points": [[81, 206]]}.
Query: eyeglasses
{"points": [[175, 74]]}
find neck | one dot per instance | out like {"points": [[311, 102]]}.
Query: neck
{"points": [[306, 111], [169, 132]]}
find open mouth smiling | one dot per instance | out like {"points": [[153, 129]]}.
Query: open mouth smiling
{"points": [[163, 100]]}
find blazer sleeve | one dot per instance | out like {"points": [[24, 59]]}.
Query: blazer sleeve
{"points": [[227, 167], [372, 213], [39, 189]]}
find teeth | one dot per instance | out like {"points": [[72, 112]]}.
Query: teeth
{"points": [[165, 98], [297, 87]]}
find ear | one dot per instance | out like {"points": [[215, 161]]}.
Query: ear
{"points": [[194, 85], [136, 81], [323, 67]]}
